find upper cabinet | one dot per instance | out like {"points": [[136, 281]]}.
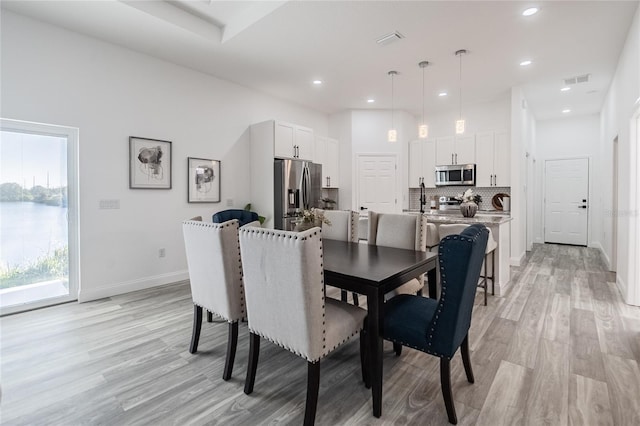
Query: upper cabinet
{"points": [[422, 163], [327, 154], [493, 154], [292, 141], [458, 150]]}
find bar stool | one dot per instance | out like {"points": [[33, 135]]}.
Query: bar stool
{"points": [[450, 229]]}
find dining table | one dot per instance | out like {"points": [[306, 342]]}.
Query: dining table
{"points": [[373, 271]]}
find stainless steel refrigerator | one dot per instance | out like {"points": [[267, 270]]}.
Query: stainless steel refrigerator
{"points": [[297, 188]]}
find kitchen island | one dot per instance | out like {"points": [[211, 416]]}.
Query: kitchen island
{"points": [[500, 226]]}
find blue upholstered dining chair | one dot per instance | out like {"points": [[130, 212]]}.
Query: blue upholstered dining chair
{"points": [[244, 216], [284, 268], [440, 327], [215, 277]]}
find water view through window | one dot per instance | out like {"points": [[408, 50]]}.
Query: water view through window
{"points": [[34, 249]]}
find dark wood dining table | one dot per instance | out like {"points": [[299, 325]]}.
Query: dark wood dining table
{"points": [[373, 271]]}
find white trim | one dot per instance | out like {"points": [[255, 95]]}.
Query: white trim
{"points": [[72, 135], [517, 261], [132, 285]]}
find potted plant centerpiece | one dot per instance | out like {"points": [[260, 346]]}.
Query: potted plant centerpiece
{"points": [[309, 219], [469, 203]]}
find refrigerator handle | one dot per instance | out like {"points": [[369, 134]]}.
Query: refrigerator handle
{"points": [[306, 187]]}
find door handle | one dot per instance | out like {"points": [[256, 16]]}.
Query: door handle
{"points": [[456, 158], [362, 208], [452, 159], [582, 207]]}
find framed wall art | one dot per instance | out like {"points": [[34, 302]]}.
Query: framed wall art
{"points": [[149, 163], [204, 180]]}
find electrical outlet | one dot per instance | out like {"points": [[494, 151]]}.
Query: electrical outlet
{"points": [[162, 252], [229, 202]]}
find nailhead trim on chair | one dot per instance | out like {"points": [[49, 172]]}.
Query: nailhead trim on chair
{"points": [[443, 280], [275, 341], [236, 223]]}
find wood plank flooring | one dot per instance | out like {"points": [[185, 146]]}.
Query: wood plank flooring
{"points": [[561, 348]]}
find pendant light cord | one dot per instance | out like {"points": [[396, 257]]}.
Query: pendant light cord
{"points": [[423, 95], [392, 109], [461, 53]]}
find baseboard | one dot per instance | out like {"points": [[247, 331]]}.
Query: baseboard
{"points": [[622, 287], [89, 294], [517, 261], [604, 255], [538, 240]]}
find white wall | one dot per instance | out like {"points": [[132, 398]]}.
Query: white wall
{"points": [[572, 137], [523, 134], [51, 75], [490, 116], [615, 118], [340, 129]]}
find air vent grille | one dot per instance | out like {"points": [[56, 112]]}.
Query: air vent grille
{"points": [[577, 79], [389, 38]]}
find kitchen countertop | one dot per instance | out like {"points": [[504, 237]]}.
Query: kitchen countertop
{"points": [[452, 216]]}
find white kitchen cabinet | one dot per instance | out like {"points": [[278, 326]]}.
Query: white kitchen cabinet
{"points": [[465, 149], [502, 159], [327, 153], [458, 150], [292, 141], [493, 159], [445, 151], [422, 163]]}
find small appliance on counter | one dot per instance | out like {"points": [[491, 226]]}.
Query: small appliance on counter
{"points": [[449, 203]]}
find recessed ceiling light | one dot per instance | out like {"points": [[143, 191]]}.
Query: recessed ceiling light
{"points": [[566, 111], [370, 100], [565, 89], [442, 94], [525, 63], [530, 11], [317, 82]]}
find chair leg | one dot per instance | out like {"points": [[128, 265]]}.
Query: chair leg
{"points": [[364, 359], [254, 352], [397, 348], [313, 387], [445, 384], [466, 360], [231, 350], [197, 324], [355, 299], [486, 277], [209, 317]]}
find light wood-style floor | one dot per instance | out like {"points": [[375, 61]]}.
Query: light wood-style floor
{"points": [[561, 348]]}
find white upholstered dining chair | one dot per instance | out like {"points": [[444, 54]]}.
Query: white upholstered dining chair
{"points": [[215, 276], [407, 231], [343, 226], [285, 268]]}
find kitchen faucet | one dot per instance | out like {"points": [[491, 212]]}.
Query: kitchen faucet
{"points": [[423, 197]]}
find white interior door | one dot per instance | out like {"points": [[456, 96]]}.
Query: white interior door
{"points": [[377, 183], [566, 201]]}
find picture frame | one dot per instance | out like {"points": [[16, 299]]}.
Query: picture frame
{"points": [[203, 180], [149, 163]]}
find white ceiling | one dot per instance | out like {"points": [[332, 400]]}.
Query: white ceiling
{"points": [[280, 47]]}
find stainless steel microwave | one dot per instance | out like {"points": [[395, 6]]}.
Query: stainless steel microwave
{"points": [[458, 174]]}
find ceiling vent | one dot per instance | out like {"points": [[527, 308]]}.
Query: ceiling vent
{"points": [[389, 38], [577, 79]]}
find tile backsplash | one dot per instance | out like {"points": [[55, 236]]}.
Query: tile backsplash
{"points": [[487, 194]]}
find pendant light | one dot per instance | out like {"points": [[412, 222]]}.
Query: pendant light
{"points": [[460, 121], [393, 134], [423, 129]]}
